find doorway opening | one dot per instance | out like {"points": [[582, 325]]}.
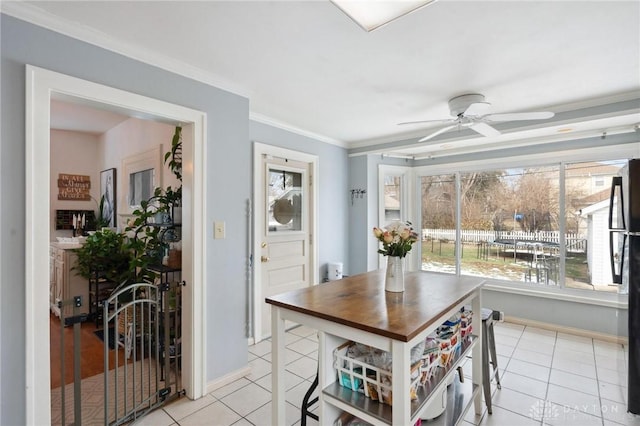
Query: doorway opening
{"points": [[42, 86], [95, 186]]}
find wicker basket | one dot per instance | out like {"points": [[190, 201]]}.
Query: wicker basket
{"points": [[125, 319], [374, 382]]}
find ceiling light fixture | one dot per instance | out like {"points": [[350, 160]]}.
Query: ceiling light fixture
{"points": [[371, 15]]}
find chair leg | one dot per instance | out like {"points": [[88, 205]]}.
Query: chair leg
{"points": [[486, 382], [306, 403], [494, 357]]}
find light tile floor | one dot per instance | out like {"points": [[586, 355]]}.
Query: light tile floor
{"points": [[548, 378]]}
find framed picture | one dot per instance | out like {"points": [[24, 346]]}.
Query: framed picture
{"points": [[108, 191]]}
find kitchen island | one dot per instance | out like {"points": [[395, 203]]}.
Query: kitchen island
{"points": [[358, 309]]}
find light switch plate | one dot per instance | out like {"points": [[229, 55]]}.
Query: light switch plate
{"points": [[218, 230]]}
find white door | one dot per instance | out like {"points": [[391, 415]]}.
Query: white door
{"points": [[284, 236]]}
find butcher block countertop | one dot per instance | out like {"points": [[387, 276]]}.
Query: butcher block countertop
{"points": [[360, 301]]}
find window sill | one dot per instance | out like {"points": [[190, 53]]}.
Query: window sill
{"points": [[613, 300]]}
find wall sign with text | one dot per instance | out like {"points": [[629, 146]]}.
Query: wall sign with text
{"points": [[74, 187]]}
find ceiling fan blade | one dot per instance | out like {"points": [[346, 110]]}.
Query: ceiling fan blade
{"points": [[444, 120], [438, 132], [477, 109], [516, 116], [484, 129]]}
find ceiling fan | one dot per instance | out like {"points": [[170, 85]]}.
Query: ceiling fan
{"points": [[471, 110]]}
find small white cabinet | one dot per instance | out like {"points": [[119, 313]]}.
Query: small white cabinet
{"points": [[64, 283]]}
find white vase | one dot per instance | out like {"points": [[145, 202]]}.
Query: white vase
{"points": [[394, 280]]}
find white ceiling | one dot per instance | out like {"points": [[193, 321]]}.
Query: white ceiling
{"points": [[305, 65], [66, 115]]}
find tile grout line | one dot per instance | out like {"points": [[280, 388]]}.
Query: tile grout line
{"points": [[546, 404], [511, 358], [595, 366]]}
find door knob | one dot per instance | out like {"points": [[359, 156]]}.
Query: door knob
{"points": [[263, 245], [264, 259]]}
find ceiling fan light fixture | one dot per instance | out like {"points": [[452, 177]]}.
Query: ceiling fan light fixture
{"points": [[472, 111], [371, 15]]}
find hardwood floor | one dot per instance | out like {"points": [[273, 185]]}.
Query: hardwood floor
{"points": [[91, 352]]}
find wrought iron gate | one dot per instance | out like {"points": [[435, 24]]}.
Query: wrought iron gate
{"points": [[142, 351]]}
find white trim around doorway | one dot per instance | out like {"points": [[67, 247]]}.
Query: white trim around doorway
{"points": [[41, 85]]}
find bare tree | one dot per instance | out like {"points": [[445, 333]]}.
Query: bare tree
{"points": [[535, 200], [480, 196], [438, 201]]}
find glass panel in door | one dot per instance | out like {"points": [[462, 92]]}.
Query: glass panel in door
{"points": [[392, 198], [284, 200]]}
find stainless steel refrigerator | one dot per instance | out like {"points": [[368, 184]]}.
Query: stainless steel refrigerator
{"points": [[624, 243]]}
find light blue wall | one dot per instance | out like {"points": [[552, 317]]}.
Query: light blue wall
{"points": [[601, 319], [359, 216], [229, 159], [332, 188], [363, 214]]}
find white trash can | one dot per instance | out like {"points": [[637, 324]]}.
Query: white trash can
{"points": [[334, 271]]}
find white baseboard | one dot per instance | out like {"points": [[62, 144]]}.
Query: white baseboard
{"points": [[228, 378], [568, 330]]}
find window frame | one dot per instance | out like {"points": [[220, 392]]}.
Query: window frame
{"points": [[150, 159], [560, 159]]}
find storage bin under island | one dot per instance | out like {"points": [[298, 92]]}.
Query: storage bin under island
{"points": [[358, 309]]}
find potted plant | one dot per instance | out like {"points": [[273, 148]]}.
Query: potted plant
{"points": [[104, 254], [149, 238], [144, 239], [172, 198]]}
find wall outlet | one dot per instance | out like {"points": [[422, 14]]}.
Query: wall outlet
{"points": [[218, 230]]}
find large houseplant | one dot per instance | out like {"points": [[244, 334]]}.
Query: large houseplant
{"points": [[172, 198], [105, 254], [125, 257], [147, 241]]}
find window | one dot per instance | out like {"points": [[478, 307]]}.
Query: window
{"points": [[587, 211], [510, 223], [394, 188], [393, 193], [140, 186], [284, 199], [142, 173], [438, 223], [392, 198], [544, 225]]}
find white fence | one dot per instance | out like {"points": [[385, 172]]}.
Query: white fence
{"points": [[574, 242]]}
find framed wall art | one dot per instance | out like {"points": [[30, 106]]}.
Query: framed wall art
{"points": [[108, 191]]}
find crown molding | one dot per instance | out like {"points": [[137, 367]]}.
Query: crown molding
{"points": [[260, 118]]}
